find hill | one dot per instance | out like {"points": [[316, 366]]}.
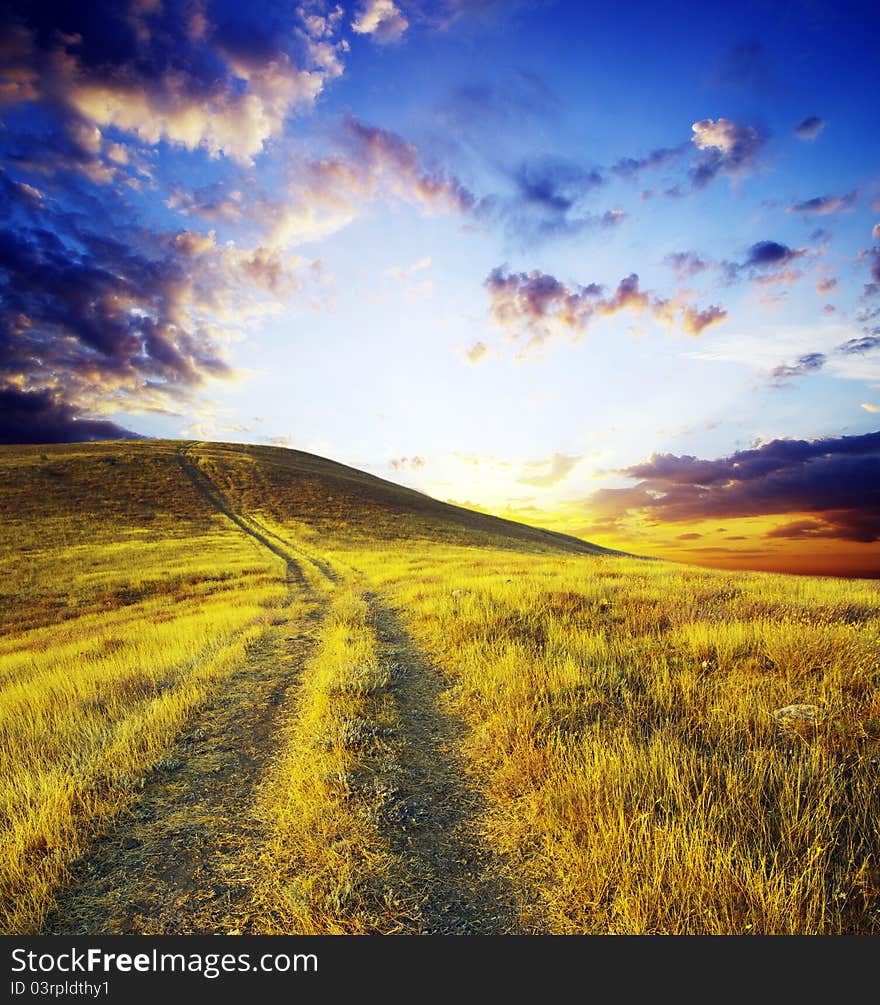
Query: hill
{"points": [[136, 483]]}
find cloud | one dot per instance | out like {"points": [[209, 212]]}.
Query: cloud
{"points": [[810, 128], [403, 271], [694, 321], [39, 417], [826, 285], [382, 158], [133, 322], [745, 66], [553, 470], [873, 257], [861, 344], [824, 205], [868, 407], [781, 352], [633, 167], [548, 199], [324, 195], [70, 146], [726, 148], [799, 529], [441, 15], [476, 352], [554, 184], [159, 73], [835, 480], [540, 305], [685, 264], [767, 263], [479, 114], [382, 20], [213, 203], [809, 363], [765, 254], [404, 463]]}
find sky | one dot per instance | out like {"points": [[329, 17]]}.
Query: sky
{"points": [[608, 269]]}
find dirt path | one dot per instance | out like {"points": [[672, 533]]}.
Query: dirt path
{"points": [[432, 819], [176, 861], [212, 494], [173, 863], [179, 860]]}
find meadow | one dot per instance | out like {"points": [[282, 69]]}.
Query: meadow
{"points": [[482, 727]]}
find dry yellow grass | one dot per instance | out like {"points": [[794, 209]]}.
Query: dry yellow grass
{"points": [[327, 867], [114, 633], [87, 706], [622, 725], [619, 713]]}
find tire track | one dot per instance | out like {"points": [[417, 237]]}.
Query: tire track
{"points": [[176, 861], [212, 493], [432, 816]]}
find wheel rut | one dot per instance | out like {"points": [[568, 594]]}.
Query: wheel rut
{"points": [[177, 860], [433, 814]]}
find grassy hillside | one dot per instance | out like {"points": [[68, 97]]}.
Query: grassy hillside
{"points": [[249, 689]]}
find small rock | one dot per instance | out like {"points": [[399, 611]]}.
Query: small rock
{"points": [[806, 713]]}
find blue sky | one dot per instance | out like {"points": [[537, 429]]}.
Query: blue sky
{"points": [[517, 255]]}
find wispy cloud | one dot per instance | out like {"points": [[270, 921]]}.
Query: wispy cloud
{"points": [[404, 271], [810, 128], [809, 363], [324, 195], [476, 352], [635, 167], [407, 463], [824, 205], [784, 352], [685, 264], [538, 305], [551, 471]]}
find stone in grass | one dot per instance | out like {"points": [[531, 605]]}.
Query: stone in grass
{"points": [[803, 713]]}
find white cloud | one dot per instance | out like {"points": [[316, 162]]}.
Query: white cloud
{"points": [[382, 20]]}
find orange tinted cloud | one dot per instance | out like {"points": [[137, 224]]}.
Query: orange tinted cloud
{"points": [[539, 304]]}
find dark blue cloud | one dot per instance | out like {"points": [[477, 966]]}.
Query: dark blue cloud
{"points": [[39, 417], [835, 478], [770, 253], [90, 316], [810, 127]]}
